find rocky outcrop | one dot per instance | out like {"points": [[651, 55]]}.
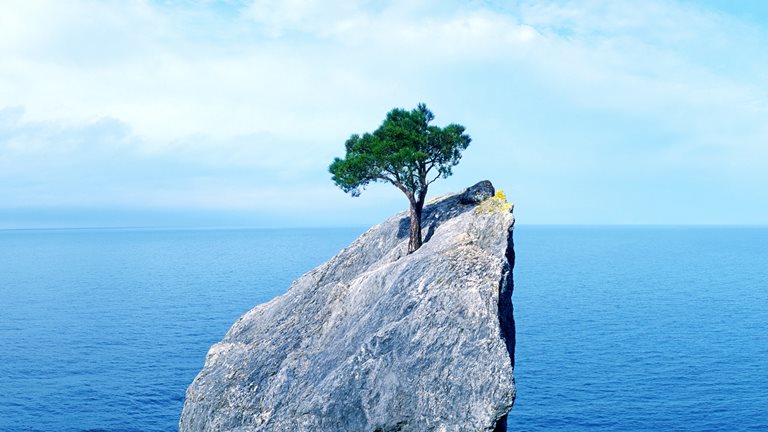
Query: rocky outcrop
{"points": [[376, 339]]}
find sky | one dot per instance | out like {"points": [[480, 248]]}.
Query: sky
{"points": [[228, 113]]}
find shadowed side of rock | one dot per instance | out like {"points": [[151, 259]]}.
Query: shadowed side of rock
{"points": [[375, 339], [506, 312]]}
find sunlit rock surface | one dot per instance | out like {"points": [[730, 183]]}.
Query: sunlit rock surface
{"points": [[375, 339]]}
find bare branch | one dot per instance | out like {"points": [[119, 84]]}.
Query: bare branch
{"points": [[434, 179], [429, 168], [405, 190]]}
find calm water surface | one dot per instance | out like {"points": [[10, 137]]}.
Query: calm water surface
{"points": [[618, 328]]}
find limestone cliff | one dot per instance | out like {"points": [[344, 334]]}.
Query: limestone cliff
{"points": [[378, 340]]}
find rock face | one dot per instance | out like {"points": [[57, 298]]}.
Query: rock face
{"points": [[378, 340]]}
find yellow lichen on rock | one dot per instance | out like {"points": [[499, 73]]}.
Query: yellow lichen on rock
{"points": [[496, 203]]}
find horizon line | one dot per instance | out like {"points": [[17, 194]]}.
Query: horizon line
{"points": [[331, 227]]}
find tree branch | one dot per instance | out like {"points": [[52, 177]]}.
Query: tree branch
{"points": [[399, 185], [387, 179], [434, 179], [394, 174]]}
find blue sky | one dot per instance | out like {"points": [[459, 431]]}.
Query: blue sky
{"points": [[178, 113]]}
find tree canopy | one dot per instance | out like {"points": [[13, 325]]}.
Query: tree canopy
{"points": [[405, 151]]}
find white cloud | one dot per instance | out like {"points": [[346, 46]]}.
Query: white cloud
{"points": [[128, 61], [186, 90], [103, 164], [278, 17]]}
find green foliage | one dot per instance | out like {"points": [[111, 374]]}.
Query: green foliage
{"points": [[403, 151]]}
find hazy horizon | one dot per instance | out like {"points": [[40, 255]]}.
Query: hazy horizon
{"points": [[193, 227]]}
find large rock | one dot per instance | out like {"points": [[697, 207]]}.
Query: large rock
{"points": [[378, 340]]}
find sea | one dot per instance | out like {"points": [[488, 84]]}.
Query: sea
{"points": [[619, 328]]}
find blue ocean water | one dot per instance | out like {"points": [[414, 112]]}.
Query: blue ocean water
{"points": [[618, 328], [641, 329]]}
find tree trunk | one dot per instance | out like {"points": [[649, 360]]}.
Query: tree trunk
{"points": [[415, 240]]}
